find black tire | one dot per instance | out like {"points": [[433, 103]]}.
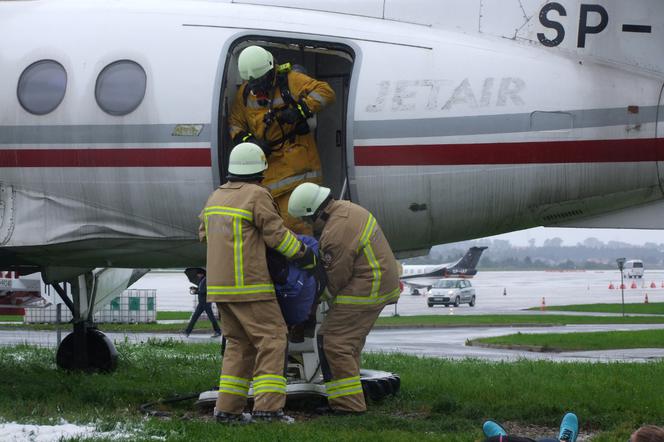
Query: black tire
{"points": [[456, 301], [378, 385], [472, 301], [415, 292], [429, 304], [102, 355], [446, 305], [396, 384], [373, 390], [386, 385]]}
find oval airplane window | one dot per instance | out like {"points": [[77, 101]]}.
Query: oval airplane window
{"points": [[120, 87], [42, 87]]}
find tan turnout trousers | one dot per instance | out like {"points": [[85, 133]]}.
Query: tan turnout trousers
{"points": [[256, 352], [341, 338]]}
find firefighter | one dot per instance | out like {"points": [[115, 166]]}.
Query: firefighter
{"points": [[362, 278], [239, 221], [274, 108]]}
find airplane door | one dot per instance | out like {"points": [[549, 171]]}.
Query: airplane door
{"points": [[330, 139], [660, 138]]}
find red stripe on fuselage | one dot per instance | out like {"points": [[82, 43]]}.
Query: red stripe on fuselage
{"points": [[539, 152], [126, 157]]}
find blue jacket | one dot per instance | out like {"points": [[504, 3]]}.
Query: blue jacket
{"points": [[297, 294]]}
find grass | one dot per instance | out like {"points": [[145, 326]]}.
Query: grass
{"points": [[11, 318], [655, 308], [582, 341], [485, 320], [390, 321], [163, 316], [439, 400]]}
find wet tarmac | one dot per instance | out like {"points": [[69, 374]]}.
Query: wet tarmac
{"points": [[497, 293], [435, 342], [523, 290]]}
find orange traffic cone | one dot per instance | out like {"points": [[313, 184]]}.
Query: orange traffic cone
{"points": [[653, 285], [543, 305], [611, 286], [645, 301], [633, 285]]}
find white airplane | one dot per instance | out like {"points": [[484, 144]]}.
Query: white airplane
{"points": [[418, 277], [455, 119]]}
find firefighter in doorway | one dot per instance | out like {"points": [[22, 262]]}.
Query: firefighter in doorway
{"points": [[238, 222], [274, 108], [362, 278]]}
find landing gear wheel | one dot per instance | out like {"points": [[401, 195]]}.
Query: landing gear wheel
{"points": [[102, 355], [377, 385]]}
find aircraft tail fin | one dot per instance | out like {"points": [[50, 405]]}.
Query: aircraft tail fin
{"points": [[469, 261]]}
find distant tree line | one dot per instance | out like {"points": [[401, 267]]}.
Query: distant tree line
{"points": [[552, 254]]}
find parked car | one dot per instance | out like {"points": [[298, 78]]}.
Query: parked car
{"points": [[451, 291], [633, 268]]}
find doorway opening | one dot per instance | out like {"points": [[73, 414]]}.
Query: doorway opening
{"points": [[326, 61]]}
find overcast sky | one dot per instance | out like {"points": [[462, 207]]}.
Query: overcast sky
{"points": [[571, 236]]}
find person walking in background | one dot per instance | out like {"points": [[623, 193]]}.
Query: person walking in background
{"points": [[203, 306]]}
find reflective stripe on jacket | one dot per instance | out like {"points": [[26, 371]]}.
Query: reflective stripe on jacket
{"points": [[297, 161], [360, 266], [238, 222]]}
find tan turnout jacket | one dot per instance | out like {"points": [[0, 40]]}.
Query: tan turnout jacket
{"points": [[361, 269], [297, 161], [238, 222]]}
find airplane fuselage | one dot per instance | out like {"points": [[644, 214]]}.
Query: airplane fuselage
{"points": [[442, 135]]}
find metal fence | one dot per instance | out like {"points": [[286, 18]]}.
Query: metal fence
{"points": [[132, 307]]}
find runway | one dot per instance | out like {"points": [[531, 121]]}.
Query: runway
{"points": [[497, 293], [434, 342], [524, 289]]}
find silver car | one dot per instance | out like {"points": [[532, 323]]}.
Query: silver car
{"points": [[451, 291]]}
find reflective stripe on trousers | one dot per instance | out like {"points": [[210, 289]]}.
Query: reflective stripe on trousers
{"points": [[234, 385], [269, 383], [344, 387]]}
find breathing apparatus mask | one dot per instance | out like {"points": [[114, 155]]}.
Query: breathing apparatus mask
{"points": [[261, 87]]}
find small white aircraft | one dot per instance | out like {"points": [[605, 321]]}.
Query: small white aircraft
{"points": [[455, 119], [418, 277]]}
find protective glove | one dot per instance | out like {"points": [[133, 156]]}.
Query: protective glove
{"points": [[308, 261], [293, 114], [290, 115], [248, 137]]}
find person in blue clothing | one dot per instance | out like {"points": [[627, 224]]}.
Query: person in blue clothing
{"points": [[569, 431], [203, 306]]}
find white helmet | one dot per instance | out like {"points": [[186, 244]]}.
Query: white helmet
{"points": [[254, 62], [247, 159], [306, 199]]}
